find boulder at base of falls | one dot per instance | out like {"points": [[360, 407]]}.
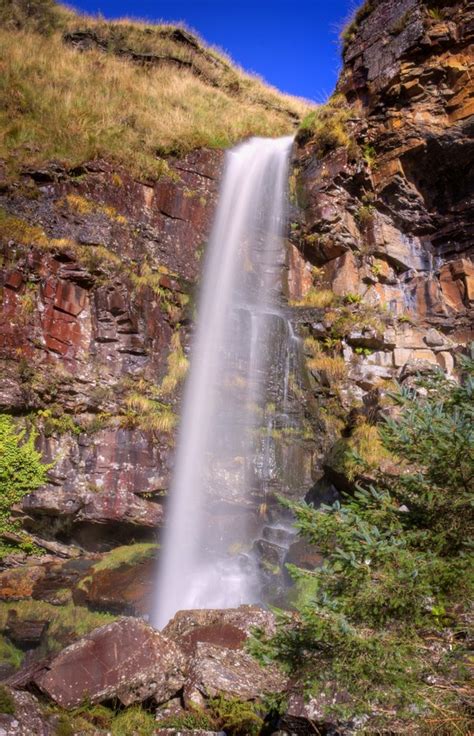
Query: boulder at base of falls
{"points": [[214, 670], [225, 627], [126, 659]]}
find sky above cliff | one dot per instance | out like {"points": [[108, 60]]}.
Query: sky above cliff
{"points": [[292, 44]]}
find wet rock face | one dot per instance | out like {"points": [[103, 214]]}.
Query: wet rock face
{"points": [[97, 269]]}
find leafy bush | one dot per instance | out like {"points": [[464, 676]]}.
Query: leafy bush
{"points": [[21, 472], [397, 561]]}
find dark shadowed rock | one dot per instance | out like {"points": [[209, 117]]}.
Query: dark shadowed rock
{"points": [[305, 555], [214, 670], [187, 732], [305, 717], [25, 633], [127, 660]]}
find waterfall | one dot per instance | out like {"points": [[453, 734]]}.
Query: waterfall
{"points": [[224, 400]]}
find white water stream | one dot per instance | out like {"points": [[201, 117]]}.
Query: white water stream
{"points": [[224, 398]]}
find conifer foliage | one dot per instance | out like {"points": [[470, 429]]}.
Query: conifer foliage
{"points": [[385, 618]]}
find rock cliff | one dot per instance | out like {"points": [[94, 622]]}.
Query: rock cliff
{"points": [[381, 268]]}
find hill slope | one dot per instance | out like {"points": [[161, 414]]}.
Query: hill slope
{"points": [[74, 88]]}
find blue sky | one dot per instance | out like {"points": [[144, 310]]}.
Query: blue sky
{"points": [[291, 43]]}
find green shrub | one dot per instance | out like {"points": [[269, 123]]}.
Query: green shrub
{"points": [[397, 569], [7, 704], [21, 472]]}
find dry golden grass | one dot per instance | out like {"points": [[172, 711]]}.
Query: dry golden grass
{"points": [[142, 412], [316, 360], [315, 298], [57, 103], [334, 367], [362, 452], [178, 366]]}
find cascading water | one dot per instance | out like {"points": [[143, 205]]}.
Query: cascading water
{"points": [[224, 425]]}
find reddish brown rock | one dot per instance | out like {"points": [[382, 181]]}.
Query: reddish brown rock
{"points": [[19, 582], [228, 627], [127, 660], [127, 589], [300, 279], [78, 319]]}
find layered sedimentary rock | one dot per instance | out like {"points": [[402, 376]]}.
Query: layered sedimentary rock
{"points": [[382, 232], [97, 273], [388, 218]]}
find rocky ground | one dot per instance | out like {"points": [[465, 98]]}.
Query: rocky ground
{"points": [[98, 277]]}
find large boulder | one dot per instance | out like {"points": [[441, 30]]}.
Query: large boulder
{"points": [[229, 627], [214, 670], [127, 660]]}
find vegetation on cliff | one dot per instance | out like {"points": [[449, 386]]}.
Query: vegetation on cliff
{"points": [[386, 617], [21, 471], [74, 88]]}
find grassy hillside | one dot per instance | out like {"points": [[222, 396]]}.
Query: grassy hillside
{"points": [[74, 87]]}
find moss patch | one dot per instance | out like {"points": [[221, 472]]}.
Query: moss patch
{"points": [[7, 704], [67, 623]]}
